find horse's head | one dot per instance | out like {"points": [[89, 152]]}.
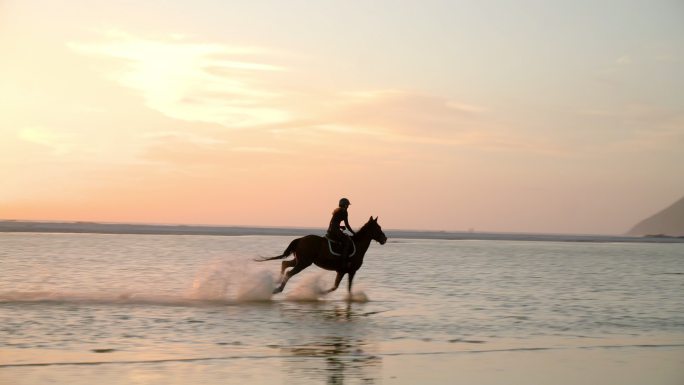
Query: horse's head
{"points": [[375, 231]]}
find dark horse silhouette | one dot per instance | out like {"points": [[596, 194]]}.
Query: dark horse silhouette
{"points": [[314, 249]]}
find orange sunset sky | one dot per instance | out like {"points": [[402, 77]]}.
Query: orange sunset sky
{"points": [[516, 116]]}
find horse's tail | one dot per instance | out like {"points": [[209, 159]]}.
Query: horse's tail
{"points": [[290, 249]]}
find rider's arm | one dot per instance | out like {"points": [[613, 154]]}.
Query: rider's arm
{"points": [[346, 223]]}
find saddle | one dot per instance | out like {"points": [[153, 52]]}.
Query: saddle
{"points": [[336, 247]]}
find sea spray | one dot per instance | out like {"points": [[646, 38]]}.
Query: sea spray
{"points": [[313, 287], [212, 281], [232, 280], [357, 296], [256, 286], [310, 288]]}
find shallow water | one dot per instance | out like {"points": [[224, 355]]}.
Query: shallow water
{"points": [[76, 308]]}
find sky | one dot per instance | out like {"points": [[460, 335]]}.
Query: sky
{"points": [[504, 116]]}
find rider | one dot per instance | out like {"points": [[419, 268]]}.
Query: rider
{"points": [[335, 228]]}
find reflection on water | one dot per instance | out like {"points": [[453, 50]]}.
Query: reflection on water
{"points": [[338, 355], [336, 358], [122, 302]]}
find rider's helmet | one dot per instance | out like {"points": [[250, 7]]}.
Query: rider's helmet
{"points": [[344, 202]]}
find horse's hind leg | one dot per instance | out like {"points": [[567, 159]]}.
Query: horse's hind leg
{"points": [[299, 267], [285, 265]]}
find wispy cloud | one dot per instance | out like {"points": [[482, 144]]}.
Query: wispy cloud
{"points": [[399, 112], [182, 136], [408, 117], [239, 87], [59, 143], [635, 129], [201, 82]]}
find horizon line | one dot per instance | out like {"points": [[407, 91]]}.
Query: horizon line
{"points": [[133, 223], [300, 228]]}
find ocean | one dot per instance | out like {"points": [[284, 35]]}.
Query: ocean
{"points": [[180, 309]]}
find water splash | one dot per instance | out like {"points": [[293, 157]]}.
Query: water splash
{"points": [[224, 280], [103, 298], [357, 296], [220, 282], [310, 288], [256, 286], [315, 287], [212, 281]]}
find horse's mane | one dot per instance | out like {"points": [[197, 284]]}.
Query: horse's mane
{"points": [[365, 227]]}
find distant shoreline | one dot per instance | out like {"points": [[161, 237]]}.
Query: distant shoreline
{"points": [[16, 226]]}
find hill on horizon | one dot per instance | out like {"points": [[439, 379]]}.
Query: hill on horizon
{"points": [[669, 221]]}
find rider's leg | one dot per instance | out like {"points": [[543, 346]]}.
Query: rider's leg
{"points": [[345, 251]]}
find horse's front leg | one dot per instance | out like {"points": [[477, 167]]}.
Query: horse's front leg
{"points": [[338, 279], [350, 279]]}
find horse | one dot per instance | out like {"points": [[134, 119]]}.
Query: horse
{"points": [[314, 249]]}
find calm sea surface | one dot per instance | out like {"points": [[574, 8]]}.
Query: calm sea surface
{"points": [[87, 308]]}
